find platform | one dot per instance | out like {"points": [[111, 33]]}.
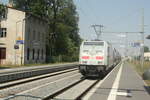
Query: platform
{"points": [[123, 83]]}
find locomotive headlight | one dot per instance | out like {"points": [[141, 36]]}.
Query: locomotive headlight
{"points": [[99, 62]]}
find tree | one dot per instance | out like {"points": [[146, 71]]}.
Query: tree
{"points": [[63, 19], [2, 10], [36, 7], [2, 13], [146, 49], [21, 4], [63, 37], [69, 16]]}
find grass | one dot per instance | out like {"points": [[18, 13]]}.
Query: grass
{"points": [[141, 69]]}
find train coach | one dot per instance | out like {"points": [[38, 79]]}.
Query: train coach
{"points": [[96, 57]]}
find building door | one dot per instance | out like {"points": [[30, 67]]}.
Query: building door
{"points": [[2, 54]]}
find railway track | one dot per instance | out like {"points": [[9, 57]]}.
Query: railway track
{"points": [[69, 85], [22, 81], [22, 73], [73, 92], [15, 87], [76, 91]]}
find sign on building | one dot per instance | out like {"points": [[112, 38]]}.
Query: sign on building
{"points": [[19, 42]]}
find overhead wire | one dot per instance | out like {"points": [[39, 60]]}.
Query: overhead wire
{"points": [[120, 18], [90, 19], [94, 17], [86, 15]]}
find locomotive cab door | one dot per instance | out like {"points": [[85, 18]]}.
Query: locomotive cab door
{"points": [[108, 56]]}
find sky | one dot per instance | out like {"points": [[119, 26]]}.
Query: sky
{"points": [[3, 1], [115, 16]]}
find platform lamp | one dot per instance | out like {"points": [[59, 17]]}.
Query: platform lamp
{"points": [[148, 37]]}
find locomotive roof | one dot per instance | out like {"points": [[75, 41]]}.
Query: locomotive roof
{"points": [[97, 41]]}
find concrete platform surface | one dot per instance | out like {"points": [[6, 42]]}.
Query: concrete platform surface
{"points": [[27, 68], [123, 83]]}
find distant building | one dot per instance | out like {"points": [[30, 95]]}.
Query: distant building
{"points": [[22, 38], [147, 56]]}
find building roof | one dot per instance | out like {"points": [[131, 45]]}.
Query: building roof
{"points": [[29, 13]]}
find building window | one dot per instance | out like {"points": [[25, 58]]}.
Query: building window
{"points": [[34, 35], [2, 53], [38, 54], [28, 54], [29, 34], [42, 54], [3, 13], [42, 37], [33, 54], [38, 36], [39, 22], [3, 32]]}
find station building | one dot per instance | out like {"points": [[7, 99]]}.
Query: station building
{"points": [[147, 56], [22, 38]]}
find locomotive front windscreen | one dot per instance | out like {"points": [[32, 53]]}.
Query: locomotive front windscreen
{"points": [[93, 47], [94, 43]]}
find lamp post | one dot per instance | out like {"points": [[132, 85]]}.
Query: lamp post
{"points": [[142, 38], [23, 31], [16, 40], [21, 40]]}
